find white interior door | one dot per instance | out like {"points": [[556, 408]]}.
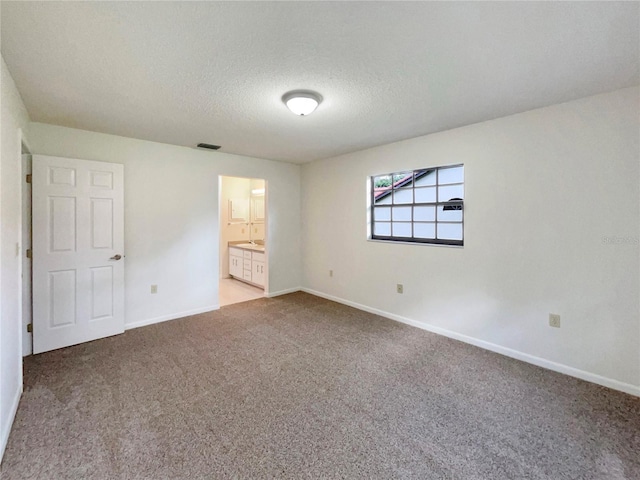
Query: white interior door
{"points": [[78, 250]]}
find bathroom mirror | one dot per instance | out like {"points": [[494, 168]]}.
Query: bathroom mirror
{"points": [[257, 213]]}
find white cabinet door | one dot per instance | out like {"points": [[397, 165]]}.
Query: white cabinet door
{"points": [[257, 273], [78, 248], [236, 266]]}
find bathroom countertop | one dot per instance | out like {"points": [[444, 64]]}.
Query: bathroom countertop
{"points": [[247, 246]]}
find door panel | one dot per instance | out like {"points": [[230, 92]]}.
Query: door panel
{"points": [[101, 223], [62, 298], [62, 176], [62, 224], [102, 292], [102, 179], [78, 229]]}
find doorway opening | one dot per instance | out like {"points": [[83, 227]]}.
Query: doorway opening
{"points": [[243, 239]]}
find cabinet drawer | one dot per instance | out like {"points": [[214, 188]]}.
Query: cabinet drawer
{"points": [[235, 251], [247, 254], [247, 275], [247, 264], [258, 257]]}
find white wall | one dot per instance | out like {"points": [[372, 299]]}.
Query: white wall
{"points": [[545, 192], [14, 119], [171, 217]]}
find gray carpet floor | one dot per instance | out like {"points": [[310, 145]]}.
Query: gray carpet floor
{"points": [[300, 387]]}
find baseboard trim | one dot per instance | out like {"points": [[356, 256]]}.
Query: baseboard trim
{"points": [[525, 357], [173, 316], [12, 416], [283, 292]]}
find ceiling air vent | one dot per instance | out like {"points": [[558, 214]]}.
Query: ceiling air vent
{"points": [[208, 146]]}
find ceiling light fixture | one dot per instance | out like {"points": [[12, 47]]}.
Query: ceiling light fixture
{"points": [[302, 102]]}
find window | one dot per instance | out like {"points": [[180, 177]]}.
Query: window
{"points": [[421, 206]]}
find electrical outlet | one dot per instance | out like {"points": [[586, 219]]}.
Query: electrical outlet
{"points": [[255, 230], [331, 273], [243, 230], [154, 288], [554, 320], [399, 288]]}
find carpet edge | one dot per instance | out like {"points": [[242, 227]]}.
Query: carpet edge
{"points": [[283, 292], [493, 347], [172, 316]]}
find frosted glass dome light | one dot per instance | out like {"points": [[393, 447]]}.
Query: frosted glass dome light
{"points": [[302, 105], [302, 102]]}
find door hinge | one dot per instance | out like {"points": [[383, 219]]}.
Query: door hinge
{"points": [[30, 327], [29, 253], [29, 178]]}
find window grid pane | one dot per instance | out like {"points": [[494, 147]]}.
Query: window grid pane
{"points": [[382, 228], [451, 175], [448, 192], [399, 179], [425, 194], [382, 213], [401, 229]]}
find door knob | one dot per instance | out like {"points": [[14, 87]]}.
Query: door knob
{"points": [[116, 257]]}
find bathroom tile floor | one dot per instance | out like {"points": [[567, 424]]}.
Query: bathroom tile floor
{"points": [[235, 291]]}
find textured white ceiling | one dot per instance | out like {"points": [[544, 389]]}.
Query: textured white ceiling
{"points": [[214, 72]]}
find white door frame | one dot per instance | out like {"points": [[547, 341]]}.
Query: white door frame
{"points": [[26, 274]]}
